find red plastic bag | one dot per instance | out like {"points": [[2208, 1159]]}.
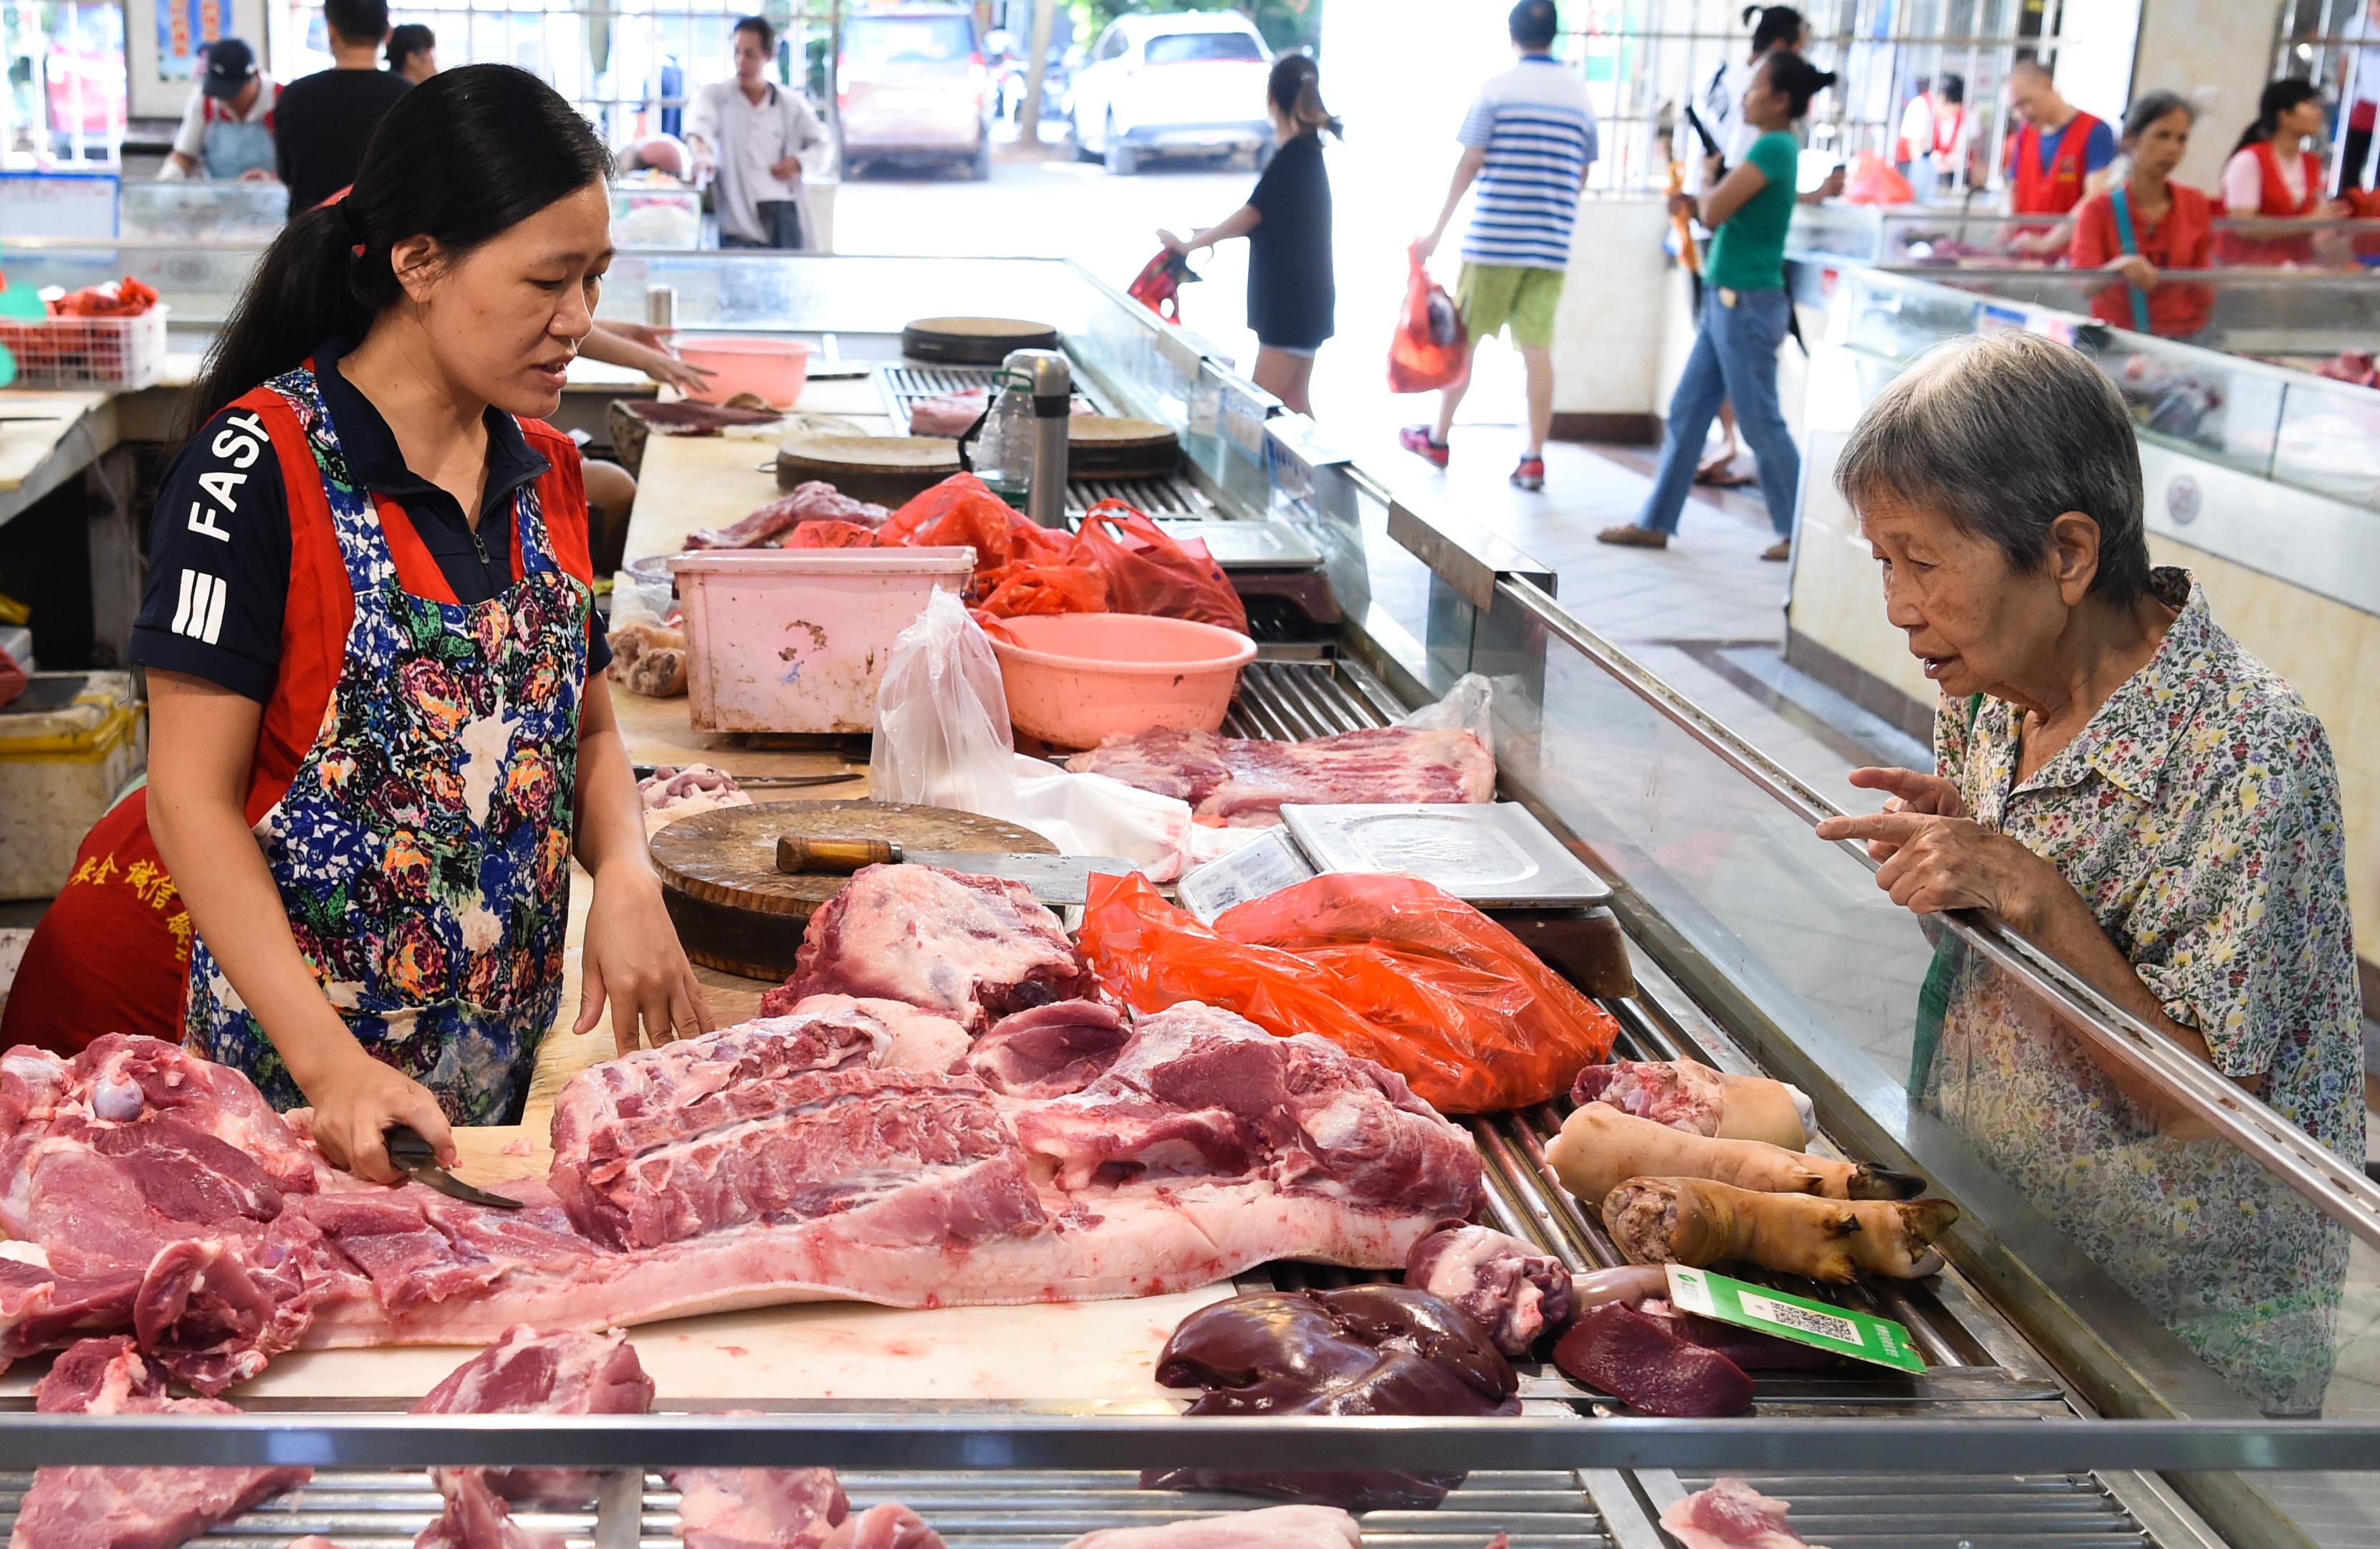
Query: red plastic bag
{"points": [[963, 510], [1874, 180], [1426, 351], [831, 532], [1389, 967], [13, 678], [1159, 282], [1150, 571], [1019, 590]]}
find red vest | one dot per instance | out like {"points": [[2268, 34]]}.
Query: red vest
{"points": [[2059, 189], [2275, 200]]}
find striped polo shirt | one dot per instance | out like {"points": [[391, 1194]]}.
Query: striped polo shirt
{"points": [[1534, 124]]}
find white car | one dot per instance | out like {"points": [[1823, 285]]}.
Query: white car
{"points": [[1189, 82]]}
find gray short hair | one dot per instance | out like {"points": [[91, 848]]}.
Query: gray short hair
{"points": [[2004, 433]]}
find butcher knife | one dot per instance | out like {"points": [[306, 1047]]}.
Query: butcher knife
{"points": [[1053, 879], [410, 1153]]}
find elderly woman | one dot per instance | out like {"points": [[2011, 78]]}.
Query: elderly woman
{"points": [[2144, 800]]}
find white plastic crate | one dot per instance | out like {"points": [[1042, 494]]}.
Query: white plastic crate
{"points": [[118, 352]]}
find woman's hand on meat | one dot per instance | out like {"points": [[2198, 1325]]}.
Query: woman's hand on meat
{"points": [[355, 1099], [1939, 863], [635, 964], [1907, 791], [2133, 269]]}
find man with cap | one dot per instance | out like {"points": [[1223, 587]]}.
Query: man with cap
{"points": [[227, 128]]}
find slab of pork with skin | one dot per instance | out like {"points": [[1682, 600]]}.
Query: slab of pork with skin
{"points": [[1243, 782]]}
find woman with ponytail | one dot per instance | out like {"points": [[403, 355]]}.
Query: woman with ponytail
{"points": [[1293, 293], [381, 731], [2274, 173]]}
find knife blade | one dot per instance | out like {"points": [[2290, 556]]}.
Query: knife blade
{"points": [[1053, 879], [410, 1153]]}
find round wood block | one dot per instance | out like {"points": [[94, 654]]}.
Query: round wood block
{"points": [[736, 912], [975, 341], [1106, 445], [885, 469]]}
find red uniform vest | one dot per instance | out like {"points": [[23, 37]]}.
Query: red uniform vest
{"points": [[2035, 191]]}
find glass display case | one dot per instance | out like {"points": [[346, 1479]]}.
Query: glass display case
{"points": [[656, 214], [203, 213], [1952, 236]]}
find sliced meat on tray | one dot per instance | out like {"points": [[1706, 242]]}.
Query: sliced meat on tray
{"points": [[1242, 782], [948, 414], [527, 1372], [814, 501], [1272, 1526], [1731, 1515], [131, 1508], [685, 417], [972, 948], [758, 1508]]}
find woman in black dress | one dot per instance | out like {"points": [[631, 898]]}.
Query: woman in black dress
{"points": [[1287, 221]]}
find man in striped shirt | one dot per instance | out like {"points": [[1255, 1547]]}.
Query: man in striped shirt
{"points": [[1527, 142]]}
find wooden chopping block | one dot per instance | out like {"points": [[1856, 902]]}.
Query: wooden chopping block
{"points": [[973, 341], [888, 470], [1110, 446], [736, 912]]}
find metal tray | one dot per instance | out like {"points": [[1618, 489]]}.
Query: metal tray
{"points": [[1267, 543], [1491, 854]]}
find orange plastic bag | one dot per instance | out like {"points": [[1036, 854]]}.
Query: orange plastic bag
{"points": [[1149, 571], [831, 532], [1019, 590], [1389, 967], [962, 509], [1874, 180], [1426, 351]]}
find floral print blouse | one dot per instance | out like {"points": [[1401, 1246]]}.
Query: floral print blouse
{"points": [[2198, 814]]}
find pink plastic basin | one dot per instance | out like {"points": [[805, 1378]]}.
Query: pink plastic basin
{"points": [[1076, 678], [773, 368]]}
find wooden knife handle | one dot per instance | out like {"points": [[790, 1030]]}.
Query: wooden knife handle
{"points": [[797, 856]]}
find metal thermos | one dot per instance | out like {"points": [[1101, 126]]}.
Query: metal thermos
{"points": [[660, 306], [1053, 403]]}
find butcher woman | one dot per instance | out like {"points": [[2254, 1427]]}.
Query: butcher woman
{"points": [[2148, 803], [379, 726]]}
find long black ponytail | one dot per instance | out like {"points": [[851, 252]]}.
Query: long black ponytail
{"points": [[463, 157], [2277, 98]]}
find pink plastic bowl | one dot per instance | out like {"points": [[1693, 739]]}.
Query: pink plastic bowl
{"points": [[773, 368], [1076, 678]]}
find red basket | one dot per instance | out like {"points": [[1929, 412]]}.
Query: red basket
{"points": [[123, 352]]}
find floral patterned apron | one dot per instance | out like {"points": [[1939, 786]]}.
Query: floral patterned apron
{"points": [[422, 850]]}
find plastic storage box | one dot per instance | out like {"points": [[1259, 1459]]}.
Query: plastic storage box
{"points": [[67, 748], [81, 352], [796, 640]]}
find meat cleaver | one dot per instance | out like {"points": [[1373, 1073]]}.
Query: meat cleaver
{"points": [[1053, 879], [410, 1153]]}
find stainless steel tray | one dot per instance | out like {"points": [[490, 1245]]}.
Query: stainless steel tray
{"points": [[1250, 544], [1491, 854]]}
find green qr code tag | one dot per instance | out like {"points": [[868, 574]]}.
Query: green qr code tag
{"points": [[1846, 1331]]}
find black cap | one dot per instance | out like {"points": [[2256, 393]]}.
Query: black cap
{"points": [[230, 66]]}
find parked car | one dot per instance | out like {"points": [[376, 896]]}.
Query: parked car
{"points": [[912, 86], [1189, 83]]}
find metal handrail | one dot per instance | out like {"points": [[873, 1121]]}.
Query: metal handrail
{"points": [[994, 1440], [2308, 1168]]}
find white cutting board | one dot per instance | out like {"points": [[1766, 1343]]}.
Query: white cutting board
{"points": [[1069, 1353]]}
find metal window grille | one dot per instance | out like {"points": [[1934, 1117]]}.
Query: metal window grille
{"points": [[1645, 60]]}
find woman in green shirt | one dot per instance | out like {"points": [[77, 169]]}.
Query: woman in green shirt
{"points": [[1746, 313]]}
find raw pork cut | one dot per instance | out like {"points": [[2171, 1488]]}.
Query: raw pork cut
{"points": [[1513, 1292], [475, 1516], [527, 1372], [1051, 1050], [1242, 783], [972, 948], [1274, 1527], [757, 1509], [669, 794], [130, 1509], [1731, 1515], [1651, 1366], [890, 1525], [1690, 1096], [815, 501], [685, 417], [649, 659], [948, 414], [1363, 1350]]}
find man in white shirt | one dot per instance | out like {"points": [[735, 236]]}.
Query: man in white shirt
{"points": [[226, 130], [751, 135]]}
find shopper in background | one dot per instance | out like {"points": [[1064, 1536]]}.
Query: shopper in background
{"points": [[1943, 153], [226, 128], [1292, 294], [2051, 157], [369, 595], [2275, 174], [1775, 29], [325, 119], [2149, 805], [1746, 314], [751, 134], [1528, 142], [2149, 222], [2359, 98], [413, 51]]}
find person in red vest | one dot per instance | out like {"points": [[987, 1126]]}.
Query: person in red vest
{"points": [[2050, 158], [112, 953], [2274, 174], [2149, 224]]}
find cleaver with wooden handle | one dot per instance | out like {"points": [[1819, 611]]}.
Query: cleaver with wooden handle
{"points": [[1053, 879]]}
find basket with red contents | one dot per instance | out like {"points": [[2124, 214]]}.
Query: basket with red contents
{"points": [[105, 336]]}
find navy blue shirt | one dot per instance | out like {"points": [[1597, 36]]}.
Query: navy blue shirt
{"points": [[219, 549]]}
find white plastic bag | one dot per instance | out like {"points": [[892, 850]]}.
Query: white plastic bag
{"points": [[1469, 706], [941, 717], [943, 740]]}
